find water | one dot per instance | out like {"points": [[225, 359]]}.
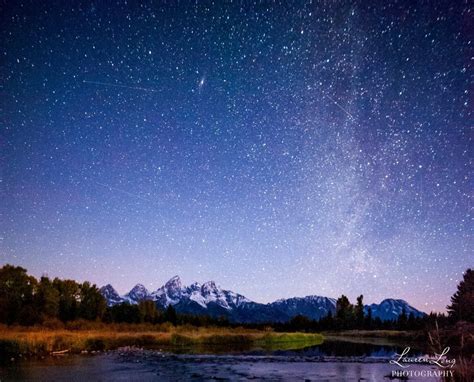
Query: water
{"points": [[330, 361]]}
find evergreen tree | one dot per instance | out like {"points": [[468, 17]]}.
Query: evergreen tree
{"points": [[359, 311], [368, 319], [462, 302], [402, 320], [300, 322], [344, 312], [170, 315]]}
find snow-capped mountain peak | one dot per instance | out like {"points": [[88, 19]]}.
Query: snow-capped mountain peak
{"points": [[138, 293], [210, 287], [194, 287], [170, 293], [174, 283], [111, 295], [212, 293], [314, 307]]}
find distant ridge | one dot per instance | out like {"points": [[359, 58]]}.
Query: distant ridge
{"points": [[210, 299]]}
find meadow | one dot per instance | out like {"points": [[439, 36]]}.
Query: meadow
{"points": [[83, 336]]}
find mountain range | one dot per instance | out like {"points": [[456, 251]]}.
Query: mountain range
{"points": [[210, 299]]}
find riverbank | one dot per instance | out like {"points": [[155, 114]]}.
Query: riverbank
{"points": [[18, 342], [388, 334], [380, 337]]}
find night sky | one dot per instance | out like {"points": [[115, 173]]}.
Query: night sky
{"points": [[280, 149]]}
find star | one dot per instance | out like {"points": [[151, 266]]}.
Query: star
{"points": [[281, 148], [201, 82]]}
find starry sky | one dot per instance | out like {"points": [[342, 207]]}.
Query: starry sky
{"points": [[279, 148]]}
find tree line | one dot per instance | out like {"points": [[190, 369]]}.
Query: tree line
{"points": [[25, 300]]}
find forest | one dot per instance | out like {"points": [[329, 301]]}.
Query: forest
{"points": [[24, 300]]}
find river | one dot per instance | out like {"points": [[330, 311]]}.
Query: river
{"points": [[330, 361]]}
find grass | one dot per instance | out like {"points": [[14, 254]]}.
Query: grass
{"points": [[460, 339], [75, 338], [287, 341]]}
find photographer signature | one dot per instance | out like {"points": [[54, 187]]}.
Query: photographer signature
{"points": [[439, 359]]}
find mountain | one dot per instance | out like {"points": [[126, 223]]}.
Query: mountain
{"points": [[210, 299], [314, 307], [111, 295], [196, 296], [137, 294], [170, 293], [390, 309]]}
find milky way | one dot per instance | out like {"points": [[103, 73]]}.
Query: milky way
{"points": [[280, 149]]}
